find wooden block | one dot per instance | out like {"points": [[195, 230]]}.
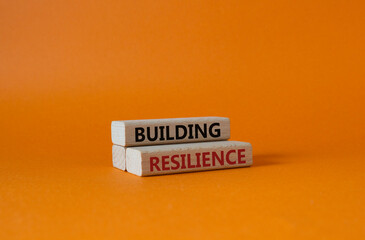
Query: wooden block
{"points": [[119, 157], [171, 130], [188, 157]]}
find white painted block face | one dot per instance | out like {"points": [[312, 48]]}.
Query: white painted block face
{"points": [[188, 157], [172, 130], [119, 157]]}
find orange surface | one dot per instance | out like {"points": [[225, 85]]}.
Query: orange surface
{"points": [[289, 74]]}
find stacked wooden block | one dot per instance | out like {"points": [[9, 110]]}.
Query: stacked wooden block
{"points": [[176, 145]]}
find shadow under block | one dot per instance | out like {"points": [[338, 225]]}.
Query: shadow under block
{"points": [[171, 130], [119, 157], [188, 157]]}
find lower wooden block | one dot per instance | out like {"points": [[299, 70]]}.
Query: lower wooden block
{"points": [[190, 157], [119, 157]]}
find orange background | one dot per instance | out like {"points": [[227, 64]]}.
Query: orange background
{"points": [[289, 74]]}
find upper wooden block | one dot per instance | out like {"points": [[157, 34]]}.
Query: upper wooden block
{"points": [[170, 130]]}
